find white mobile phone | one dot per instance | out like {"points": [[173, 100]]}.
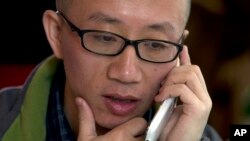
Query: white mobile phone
{"points": [[160, 119]]}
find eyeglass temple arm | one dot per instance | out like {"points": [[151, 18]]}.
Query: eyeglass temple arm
{"points": [[72, 26]]}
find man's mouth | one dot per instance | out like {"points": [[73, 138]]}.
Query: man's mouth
{"points": [[120, 100], [120, 106]]}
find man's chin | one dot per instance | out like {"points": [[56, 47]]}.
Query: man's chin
{"points": [[111, 124]]}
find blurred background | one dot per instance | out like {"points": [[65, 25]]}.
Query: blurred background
{"points": [[219, 43]]}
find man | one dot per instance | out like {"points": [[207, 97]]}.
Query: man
{"points": [[118, 58]]}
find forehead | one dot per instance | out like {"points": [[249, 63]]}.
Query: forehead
{"points": [[147, 12]]}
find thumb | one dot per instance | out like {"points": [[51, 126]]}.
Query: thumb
{"points": [[87, 130]]}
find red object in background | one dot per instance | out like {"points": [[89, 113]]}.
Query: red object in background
{"points": [[14, 74]]}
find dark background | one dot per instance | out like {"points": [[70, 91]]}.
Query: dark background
{"points": [[23, 39], [219, 43]]}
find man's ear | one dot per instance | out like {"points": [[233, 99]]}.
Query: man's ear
{"points": [[52, 25]]}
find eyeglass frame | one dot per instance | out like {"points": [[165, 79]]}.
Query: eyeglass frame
{"points": [[127, 42]]}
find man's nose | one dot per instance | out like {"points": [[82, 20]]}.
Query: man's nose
{"points": [[126, 68]]}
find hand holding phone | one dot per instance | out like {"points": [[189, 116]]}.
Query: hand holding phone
{"points": [[161, 117]]}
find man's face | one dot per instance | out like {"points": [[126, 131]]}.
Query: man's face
{"points": [[121, 87]]}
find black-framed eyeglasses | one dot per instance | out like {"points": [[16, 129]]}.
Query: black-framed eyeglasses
{"points": [[111, 44]]}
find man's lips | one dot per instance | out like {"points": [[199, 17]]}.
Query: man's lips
{"points": [[120, 105]]}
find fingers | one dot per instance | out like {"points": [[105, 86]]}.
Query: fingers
{"points": [[184, 36], [131, 130], [185, 83], [188, 76], [135, 127], [184, 56], [87, 130], [185, 60]]}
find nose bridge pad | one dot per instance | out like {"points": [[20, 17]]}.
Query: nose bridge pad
{"points": [[133, 44]]}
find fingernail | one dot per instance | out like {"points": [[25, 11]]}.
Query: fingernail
{"points": [[79, 101]]}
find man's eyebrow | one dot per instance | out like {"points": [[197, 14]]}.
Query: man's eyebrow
{"points": [[102, 17], [162, 27]]}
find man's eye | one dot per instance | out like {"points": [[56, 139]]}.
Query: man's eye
{"points": [[155, 45], [104, 38]]}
